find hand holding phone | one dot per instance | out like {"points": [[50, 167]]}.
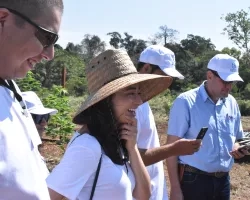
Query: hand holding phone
{"points": [[244, 149], [202, 133]]}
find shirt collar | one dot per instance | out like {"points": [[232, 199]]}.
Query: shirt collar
{"points": [[203, 92], [205, 96]]}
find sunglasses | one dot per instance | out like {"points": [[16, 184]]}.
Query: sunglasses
{"points": [[45, 36], [39, 118], [224, 82]]}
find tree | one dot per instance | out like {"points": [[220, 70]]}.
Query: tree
{"points": [[238, 28], [197, 44], [49, 72], [232, 52], [115, 40], [91, 46], [133, 46], [74, 48], [166, 34]]}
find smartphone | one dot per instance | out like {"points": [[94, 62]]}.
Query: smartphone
{"points": [[122, 150], [202, 133]]}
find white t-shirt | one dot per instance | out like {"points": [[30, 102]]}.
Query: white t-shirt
{"points": [[148, 138], [73, 177], [20, 161]]}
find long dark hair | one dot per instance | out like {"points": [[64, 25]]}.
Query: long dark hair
{"points": [[103, 125]]}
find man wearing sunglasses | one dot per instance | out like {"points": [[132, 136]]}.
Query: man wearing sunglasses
{"points": [[41, 116], [28, 32], [205, 174], [39, 113]]}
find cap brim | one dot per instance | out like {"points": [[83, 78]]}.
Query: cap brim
{"points": [[150, 86], [172, 72], [43, 111], [230, 77]]}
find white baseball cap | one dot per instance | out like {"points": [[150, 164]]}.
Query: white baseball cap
{"points": [[35, 105], [162, 57], [226, 66]]}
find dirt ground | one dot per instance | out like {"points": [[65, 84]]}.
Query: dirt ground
{"points": [[240, 174]]}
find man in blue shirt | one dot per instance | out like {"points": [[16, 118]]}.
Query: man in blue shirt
{"points": [[205, 174]]}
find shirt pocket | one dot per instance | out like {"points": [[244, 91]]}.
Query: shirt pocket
{"points": [[228, 124]]}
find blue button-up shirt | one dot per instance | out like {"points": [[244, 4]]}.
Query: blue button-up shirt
{"points": [[193, 110]]}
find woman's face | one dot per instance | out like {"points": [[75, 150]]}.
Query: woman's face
{"points": [[125, 102]]}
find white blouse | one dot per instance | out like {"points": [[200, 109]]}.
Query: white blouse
{"points": [[73, 177]]}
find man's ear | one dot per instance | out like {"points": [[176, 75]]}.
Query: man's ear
{"points": [[4, 13], [209, 75]]}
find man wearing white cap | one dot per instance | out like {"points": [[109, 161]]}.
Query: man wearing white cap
{"points": [[205, 174], [39, 113], [157, 59], [40, 116]]}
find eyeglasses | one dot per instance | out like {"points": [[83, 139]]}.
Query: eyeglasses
{"points": [[45, 36], [224, 82], [39, 118]]}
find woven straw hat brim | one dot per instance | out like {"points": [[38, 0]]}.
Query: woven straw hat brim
{"points": [[150, 86]]}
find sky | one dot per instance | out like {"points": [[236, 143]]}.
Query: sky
{"points": [[142, 18]]}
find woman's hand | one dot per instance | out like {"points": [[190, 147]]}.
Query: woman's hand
{"points": [[129, 133]]}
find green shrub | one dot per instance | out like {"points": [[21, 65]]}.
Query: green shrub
{"points": [[76, 86], [246, 91], [29, 83], [60, 124], [75, 103], [161, 105], [244, 106]]}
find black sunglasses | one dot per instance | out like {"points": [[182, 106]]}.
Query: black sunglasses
{"points": [[45, 36], [39, 118], [224, 82]]}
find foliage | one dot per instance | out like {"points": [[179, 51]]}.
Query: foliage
{"points": [[59, 124], [50, 72], [244, 106], [197, 44], [246, 91], [55, 97], [29, 83], [76, 86], [75, 103], [74, 48], [161, 105], [232, 52], [238, 28], [115, 40], [166, 34], [133, 46], [91, 46]]}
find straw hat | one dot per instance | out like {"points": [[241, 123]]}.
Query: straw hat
{"points": [[112, 71]]}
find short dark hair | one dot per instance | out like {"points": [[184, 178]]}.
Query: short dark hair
{"points": [[32, 8], [141, 64]]}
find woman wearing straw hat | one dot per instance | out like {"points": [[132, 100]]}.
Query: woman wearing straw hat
{"points": [[102, 160]]}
